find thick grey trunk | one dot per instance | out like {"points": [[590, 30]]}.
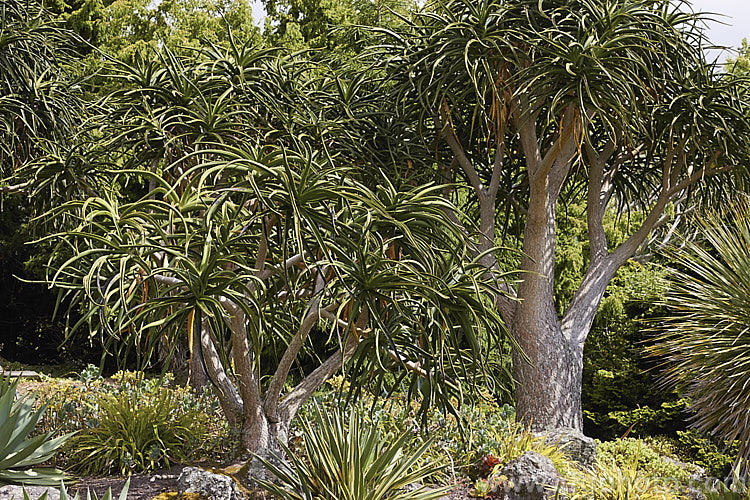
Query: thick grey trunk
{"points": [[261, 435], [548, 379], [549, 372], [548, 384]]}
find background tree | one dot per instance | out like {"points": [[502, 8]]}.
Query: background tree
{"points": [[329, 23], [526, 101], [741, 64], [41, 109]]}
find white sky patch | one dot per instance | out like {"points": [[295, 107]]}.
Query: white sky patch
{"points": [[732, 22], [259, 13]]}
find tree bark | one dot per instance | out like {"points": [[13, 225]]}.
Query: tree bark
{"points": [[548, 383], [549, 370]]}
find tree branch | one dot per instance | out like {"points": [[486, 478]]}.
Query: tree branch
{"points": [[525, 122], [497, 169], [14, 188], [459, 154], [292, 402], [594, 206], [271, 401], [230, 400]]}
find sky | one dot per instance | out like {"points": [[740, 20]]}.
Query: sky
{"points": [[734, 14]]}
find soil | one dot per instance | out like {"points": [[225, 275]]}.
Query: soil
{"points": [[148, 486], [142, 486]]}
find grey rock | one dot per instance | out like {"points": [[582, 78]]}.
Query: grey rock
{"points": [[532, 476], [578, 448], [209, 485], [34, 492]]}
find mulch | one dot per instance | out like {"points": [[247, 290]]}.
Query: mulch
{"points": [[142, 486], [148, 486]]}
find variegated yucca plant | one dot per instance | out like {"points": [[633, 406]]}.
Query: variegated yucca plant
{"points": [[89, 495], [347, 460]]}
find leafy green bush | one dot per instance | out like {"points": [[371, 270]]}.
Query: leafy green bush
{"points": [[349, 461], [19, 452], [642, 457], [134, 433], [716, 460]]}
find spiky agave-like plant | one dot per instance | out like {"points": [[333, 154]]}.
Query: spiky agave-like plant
{"points": [[704, 343], [20, 453]]}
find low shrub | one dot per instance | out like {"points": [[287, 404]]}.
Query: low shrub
{"points": [[716, 459], [137, 434], [641, 456]]}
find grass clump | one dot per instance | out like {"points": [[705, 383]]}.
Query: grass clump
{"points": [[137, 434], [608, 481]]}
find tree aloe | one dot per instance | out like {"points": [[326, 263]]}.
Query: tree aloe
{"points": [[253, 229], [525, 102]]}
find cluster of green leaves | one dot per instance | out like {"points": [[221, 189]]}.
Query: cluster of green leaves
{"points": [[20, 453], [716, 459], [39, 101], [331, 24], [741, 64], [643, 457]]}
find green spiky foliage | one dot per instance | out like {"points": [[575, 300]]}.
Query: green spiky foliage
{"points": [[345, 460], [38, 99], [704, 344], [256, 217], [20, 454]]}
